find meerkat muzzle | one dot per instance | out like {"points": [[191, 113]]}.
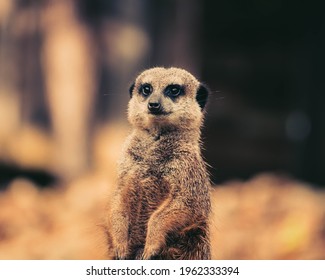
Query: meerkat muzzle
{"points": [[154, 108]]}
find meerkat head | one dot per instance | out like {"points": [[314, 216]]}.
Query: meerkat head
{"points": [[167, 97]]}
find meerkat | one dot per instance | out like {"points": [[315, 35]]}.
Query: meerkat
{"points": [[161, 206]]}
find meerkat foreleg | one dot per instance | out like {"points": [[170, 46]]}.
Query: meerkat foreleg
{"points": [[119, 230], [160, 223]]}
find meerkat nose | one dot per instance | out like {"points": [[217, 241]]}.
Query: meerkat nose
{"points": [[154, 107]]}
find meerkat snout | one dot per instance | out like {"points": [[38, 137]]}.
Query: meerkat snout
{"points": [[154, 107]]}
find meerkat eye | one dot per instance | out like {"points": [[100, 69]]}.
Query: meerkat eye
{"points": [[173, 90], [146, 89]]}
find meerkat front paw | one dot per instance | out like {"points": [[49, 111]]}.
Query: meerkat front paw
{"points": [[121, 251], [148, 253], [151, 249]]}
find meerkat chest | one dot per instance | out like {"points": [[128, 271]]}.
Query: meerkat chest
{"points": [[152, 155], [146, 168]]}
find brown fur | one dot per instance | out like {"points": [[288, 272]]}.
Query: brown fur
{"points": [[161, 206]]}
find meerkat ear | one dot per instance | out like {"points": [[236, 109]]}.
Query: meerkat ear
{"points": [[202, 96], [131, 90]]}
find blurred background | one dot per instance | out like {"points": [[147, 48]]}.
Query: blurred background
{"points": [[65, 70]]}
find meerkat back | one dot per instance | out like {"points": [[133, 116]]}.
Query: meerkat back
{"points": [[161, 206]]}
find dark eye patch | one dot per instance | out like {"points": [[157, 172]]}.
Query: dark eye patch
{"points": [[145, 90], [174, 91], [131, 89], [202, 96]]}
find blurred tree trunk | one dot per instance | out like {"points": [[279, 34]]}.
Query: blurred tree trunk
{"points": [[21, 89], [70, 69], [9, 101]]}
